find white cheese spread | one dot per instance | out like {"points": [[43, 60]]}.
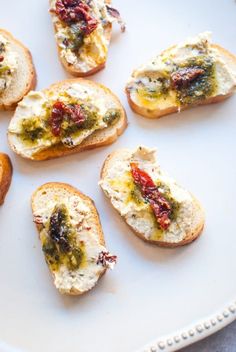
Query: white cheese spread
{"points": [[8, 64], [86, 276], [161, 67], [117, 185]]}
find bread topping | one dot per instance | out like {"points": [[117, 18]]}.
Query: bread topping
{"points": [[118, 184], [81, 27], [67, 117], [8, 64], [183, 75]]}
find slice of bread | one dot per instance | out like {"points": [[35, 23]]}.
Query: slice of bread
{"points": [[216, 80], [187, 216], [24, 77], [5, 176], [86, 237], [92, 55], [100, 137]]}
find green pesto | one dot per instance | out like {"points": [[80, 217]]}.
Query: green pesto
{"points": [[111, 116], [203, 86], [71, 129], [35, 128], [167, 195], [137, 198], [198, 89], [31, 130], [4, 69], [60, 246], [75, 38], [153, 93]]}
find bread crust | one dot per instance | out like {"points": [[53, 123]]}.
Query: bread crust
{"points": [[93, 209], [5, 176], [90, 142], [32, 79], [69, 67], [189, 237], [157, 113]]}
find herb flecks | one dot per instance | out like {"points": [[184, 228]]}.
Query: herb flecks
{"points": [[32, 129], [111, 116]]}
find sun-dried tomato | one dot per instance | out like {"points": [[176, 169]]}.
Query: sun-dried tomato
{"points": [[60, 111], [149, 191], [183, 77], [75, 113], [58, 230], [56, 118], [105, 258], [72, 11], [115, 14], [1, 58]]}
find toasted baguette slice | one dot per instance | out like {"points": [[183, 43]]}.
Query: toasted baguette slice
{"points": [[91, 56], [72, 242], [23, 77], [172, 81], [186, 218], [80, 90], [5, 176]]}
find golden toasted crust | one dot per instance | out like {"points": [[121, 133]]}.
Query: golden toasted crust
{"points": [[5, 176], [154, 114], [64, 186], [97, 139], [30, 84], [69, 67], [189, 237]]}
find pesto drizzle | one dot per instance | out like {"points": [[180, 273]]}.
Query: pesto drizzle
{"points": [[60, 246], [201, 87], [136, 197], [198, 89]]}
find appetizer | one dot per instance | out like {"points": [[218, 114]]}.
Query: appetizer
{"points": [[83, 33], [17, 73], [192, 73], [68, 117], [71, 236], [156, 208]]}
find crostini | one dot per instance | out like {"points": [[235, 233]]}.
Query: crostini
{"points": [[71, 236], [192, 73], [68, 117], [156, 208], [17, 73], [5, 176], [83, 33]]}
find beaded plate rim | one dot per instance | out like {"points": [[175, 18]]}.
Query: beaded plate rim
{"points": [[194, 332], [181, 338]]}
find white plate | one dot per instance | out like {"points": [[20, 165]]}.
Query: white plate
{"points": [[152, 292]]}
